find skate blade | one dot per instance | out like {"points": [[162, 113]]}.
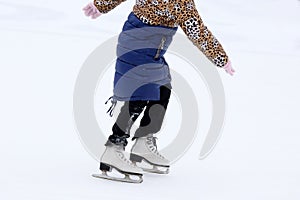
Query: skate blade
{"points": [[127, 179], [155, 170]]}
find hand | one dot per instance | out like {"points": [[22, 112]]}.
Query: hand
{"points": [[91, 10], [228, 68]]}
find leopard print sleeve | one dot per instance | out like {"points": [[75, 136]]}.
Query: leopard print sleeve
{"points": [[193, 26], [104, 6]]}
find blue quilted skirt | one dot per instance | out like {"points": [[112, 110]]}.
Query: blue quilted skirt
{"points": [[140, 67]]}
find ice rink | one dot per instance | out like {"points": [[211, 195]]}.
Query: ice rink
{"points": [[42, 47]]}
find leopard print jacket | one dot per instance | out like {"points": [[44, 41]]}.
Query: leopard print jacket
{"points": [[174, 13]]}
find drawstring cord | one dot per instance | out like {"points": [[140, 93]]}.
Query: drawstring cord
{"points": [[113, 105]]}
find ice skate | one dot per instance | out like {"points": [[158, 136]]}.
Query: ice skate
{"points": [[145, 149], [114, 158]]}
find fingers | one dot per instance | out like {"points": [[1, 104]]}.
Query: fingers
{"points": [[87, 12], [87, 7], [230, 71], [91, 10], [96, 15], [228, 68], [92, 4], [94, 8]]}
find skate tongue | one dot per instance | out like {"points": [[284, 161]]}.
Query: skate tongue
{"points": [[116, 146], [120, 147]]}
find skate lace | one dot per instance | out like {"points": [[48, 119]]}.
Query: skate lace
{"points": [[124, 159], [151, 141]]}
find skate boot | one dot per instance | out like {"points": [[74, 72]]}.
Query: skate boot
{"points": [[114, 158], [145, 149]]}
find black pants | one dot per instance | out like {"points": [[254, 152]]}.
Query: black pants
{"points": [[151, 121]]}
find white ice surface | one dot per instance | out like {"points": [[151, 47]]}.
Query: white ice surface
{"points": [[42, 46]]}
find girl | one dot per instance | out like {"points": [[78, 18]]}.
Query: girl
{"points": [[142, 79]]}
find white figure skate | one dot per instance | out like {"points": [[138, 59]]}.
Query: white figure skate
{"points": [[145, 148], [114, 158]]}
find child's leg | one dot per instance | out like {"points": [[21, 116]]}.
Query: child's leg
{"points": [[128, 114], [154, 115]]}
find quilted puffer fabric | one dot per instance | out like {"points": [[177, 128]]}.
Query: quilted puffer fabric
{"points": [[140, 66]]}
